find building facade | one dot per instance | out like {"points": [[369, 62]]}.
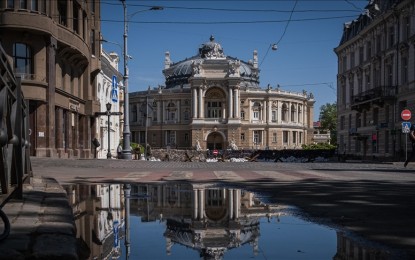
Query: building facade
{"points": [[376, 79], [54, 48], [213, 101], [109, 91]]}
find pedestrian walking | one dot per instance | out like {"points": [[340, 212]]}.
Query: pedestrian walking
{"points": [[412, 139]]}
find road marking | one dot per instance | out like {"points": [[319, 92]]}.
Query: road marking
{"points": [[227, 175]]}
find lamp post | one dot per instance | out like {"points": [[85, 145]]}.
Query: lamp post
{"points": [[126, 153], [108, 105]]}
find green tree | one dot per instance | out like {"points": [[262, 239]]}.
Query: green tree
{"points": [[328, 119]]}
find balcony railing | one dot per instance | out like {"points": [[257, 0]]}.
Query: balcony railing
{"points": [[382, 92]]}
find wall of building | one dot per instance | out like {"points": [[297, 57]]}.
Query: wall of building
{"points": [[376, 80]]}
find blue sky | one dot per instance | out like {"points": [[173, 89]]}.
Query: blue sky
{"points": [[304, 59]]}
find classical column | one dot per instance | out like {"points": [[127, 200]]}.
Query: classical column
{"points": [[236, 98], [200, 103], [201, 204], [194, 103], [159, 196], [231, 205], [80, 22], [195, 204], [230, 103], [159, 111]]}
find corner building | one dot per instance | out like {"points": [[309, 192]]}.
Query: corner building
{"points": [[214, 101], [376, 79], [54, 48]]}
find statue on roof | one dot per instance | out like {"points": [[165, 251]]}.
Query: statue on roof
{"points": [[211, 50]]}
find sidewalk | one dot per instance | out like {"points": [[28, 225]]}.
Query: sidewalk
{"points": [[42, 224]]}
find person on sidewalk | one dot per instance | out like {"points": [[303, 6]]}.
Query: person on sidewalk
{"points": [[412, 139]]}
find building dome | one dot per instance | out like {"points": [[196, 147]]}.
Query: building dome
{"points": [[177, 74]]}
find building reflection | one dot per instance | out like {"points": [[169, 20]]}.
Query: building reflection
{"points": [[209, 219], [99, 215], [201, 217], [350, 249]]}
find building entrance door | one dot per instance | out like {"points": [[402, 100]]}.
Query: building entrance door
{"points": [[215, 141]]}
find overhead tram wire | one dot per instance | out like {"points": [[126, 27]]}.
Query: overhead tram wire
{"points": [[233, 22], [242, 10], [282, 36]]}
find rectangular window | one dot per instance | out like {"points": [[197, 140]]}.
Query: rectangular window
{"points": [[389, 75], [368, 50], [344, 64], [358, 120], [256, 115], [368, 81], [243, 115], [294, 137], [342, 122], [62, 10], [75, 24], [351, 59], [22, 59], [274, 137], [391, 41], [242, 137], [33, 5], [387, 109], [300, 137], [285, 137], [257, 137], [186, 137], [378, 43], [404, 70], [406, 27], [274, 116], [93, 50], [364, 121], [10, 3], [23, 4], [375, 116]]}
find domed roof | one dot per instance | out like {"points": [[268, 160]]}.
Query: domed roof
{"points": [[178, 73]]}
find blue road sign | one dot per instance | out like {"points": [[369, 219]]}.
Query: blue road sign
{"points": [[114, 95], [406, 126], [114, 81]]}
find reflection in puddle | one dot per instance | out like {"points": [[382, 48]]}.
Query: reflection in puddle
{"points": [[191, 221]]}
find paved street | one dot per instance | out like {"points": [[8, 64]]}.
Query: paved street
{"points": [[374, 200]]}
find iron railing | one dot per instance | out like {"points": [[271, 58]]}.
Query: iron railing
{"points": [[14, 145]]}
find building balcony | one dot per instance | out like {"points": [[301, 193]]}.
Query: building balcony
{"points": [[375, 96]]}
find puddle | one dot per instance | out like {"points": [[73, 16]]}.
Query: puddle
{"points": [[174, 220]]}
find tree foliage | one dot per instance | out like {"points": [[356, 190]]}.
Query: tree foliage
{"points": [[328, 116], [328, 120]]}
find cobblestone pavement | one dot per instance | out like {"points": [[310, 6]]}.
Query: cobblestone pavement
{"points": [[374, 200]]}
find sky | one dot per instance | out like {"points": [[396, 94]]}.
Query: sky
{"points": [[305, 33]]}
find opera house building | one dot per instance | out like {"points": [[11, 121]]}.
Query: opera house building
{"points": [[214, 101]]}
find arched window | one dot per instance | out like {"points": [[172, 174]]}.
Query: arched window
{"points": [[284, 112], [293, 110], [23, 60]]}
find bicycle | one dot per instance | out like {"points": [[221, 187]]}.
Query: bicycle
{"points": [[5, 226]]}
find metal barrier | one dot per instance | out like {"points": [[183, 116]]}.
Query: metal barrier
{"points": [[14, 153]]}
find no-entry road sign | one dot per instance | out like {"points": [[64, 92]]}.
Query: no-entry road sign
{"points": [[406, 114]]}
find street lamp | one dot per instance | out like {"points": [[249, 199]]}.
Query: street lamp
{"points": [[108, 105], [126, 153]]}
